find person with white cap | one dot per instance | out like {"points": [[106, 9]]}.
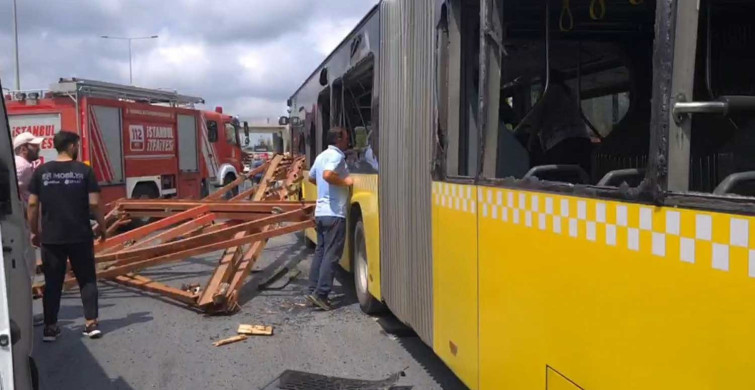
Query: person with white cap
{"points": [[26, 147]]}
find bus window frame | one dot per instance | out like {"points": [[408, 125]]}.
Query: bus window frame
{"points": [[677, 193], [652, 190], [456, 120]]}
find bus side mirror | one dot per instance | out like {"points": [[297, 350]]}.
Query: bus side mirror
{"points": [[283, 121]]}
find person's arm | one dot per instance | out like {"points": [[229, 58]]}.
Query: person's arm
{"points": [[32, 208], [94, 205], [311, 176], [96, 209], [32, 215], [329, 173]]}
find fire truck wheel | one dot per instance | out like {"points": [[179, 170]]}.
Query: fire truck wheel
{"points": [[229, 178], [359, 267], [143, 191]]}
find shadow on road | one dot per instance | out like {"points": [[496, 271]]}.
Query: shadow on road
{"points": [[68, 362]]}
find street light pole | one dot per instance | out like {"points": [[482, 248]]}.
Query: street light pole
{"points": [[129, 39], [15, 37]]}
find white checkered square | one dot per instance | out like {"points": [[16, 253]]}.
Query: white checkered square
{"points": [[591, 231], [721, 257], [505, 214], [484, 210], [600, 212], [541, 221], [522, 201], [646, 218], [528, 218], [582, 210], [473, 207], [510, 199], [611, 234], [549, 206], [464, 205], [703, 227], [687, 250], [739, 232], [621, 216], [535, 203], [633, 239], [495, 212], [490, 196], [573, 228], [499, 198], [516, 216], [673, 222], [565, 208], [751, 269], [659, 244], [557, 224]]}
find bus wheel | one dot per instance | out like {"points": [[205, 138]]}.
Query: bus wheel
{"points": [[367, 302]]}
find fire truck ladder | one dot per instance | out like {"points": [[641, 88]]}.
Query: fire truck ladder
{"points": [[74, 87]]}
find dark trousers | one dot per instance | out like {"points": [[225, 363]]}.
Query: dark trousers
{"points": [[54, 259], [331, 237]]}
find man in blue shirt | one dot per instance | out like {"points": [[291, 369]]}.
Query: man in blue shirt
{"points": [[332, 178]]}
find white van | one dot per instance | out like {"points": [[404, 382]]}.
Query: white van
{"points": [[17, 368]]}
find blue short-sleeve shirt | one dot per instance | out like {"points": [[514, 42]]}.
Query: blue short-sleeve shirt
{"points": [[331, 200]]}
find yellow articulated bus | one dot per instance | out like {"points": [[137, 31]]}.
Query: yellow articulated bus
{"points": [[553, 194]]}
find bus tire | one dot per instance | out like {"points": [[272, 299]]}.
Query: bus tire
{"points": [[143, 191], [360, 269]]}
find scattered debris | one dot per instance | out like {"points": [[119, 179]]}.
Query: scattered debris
{"points": [[230, 340], [255, 330], [240, 226]]}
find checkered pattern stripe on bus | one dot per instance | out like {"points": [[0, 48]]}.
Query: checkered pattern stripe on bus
{"points": [[724, 242], [455, 196]]}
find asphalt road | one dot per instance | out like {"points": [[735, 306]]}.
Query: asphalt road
{"points": [[151, 343]]}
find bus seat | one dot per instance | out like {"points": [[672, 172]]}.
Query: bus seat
{"points": [[632, 176], [573, 174], [741, 183]]}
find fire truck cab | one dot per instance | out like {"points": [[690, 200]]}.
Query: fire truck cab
{"points": [[141, 143]]}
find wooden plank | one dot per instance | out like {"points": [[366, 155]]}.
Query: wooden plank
{"points": [[202, 239], [230, 340], [236, 206], [245, 194], [152, 227], [255, 330], [226, 268], [177, 231], [221, 273], [239, 180], [180, 255], [145, 284]]}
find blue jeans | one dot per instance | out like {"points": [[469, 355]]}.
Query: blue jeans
{"points": [[331, 238]]}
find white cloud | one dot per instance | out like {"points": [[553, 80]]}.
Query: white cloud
{"points": [[246, 55]]}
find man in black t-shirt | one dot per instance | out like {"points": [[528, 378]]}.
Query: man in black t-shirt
{"points": [[68, 192]]}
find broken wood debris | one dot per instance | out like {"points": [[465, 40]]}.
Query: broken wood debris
{"points": [[230, 340], [255, 330], [240, 225]]}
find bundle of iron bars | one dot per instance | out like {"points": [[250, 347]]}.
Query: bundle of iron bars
{"points": [[238, 222]]}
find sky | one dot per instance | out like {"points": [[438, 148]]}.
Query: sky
{"points": [[247, 56]]}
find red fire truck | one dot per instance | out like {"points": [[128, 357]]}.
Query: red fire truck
{"points": [[140, 142]]}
